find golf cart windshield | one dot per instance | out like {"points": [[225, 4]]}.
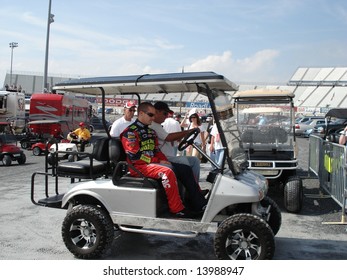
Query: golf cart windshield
{"points": [[209, 84], [230, 136], [265, 119]]}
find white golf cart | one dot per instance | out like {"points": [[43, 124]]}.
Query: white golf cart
{"points": [[243, 219], [265, 119]]}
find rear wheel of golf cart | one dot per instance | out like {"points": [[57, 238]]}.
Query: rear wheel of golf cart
{"points": [[52, 159], [244, 237], [6, 160], [24, 145], [293, 194], [87, 231], [36, 151]]}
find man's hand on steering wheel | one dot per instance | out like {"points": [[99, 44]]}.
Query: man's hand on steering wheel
{"points": [[188, 139]]}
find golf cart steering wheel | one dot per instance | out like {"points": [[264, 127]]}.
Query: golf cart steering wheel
{"points": [[188, 139]]}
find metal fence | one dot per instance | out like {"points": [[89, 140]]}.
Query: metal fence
{"points": [[328, 162]]}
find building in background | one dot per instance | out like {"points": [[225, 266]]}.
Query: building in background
{"points": [[316, 91]]}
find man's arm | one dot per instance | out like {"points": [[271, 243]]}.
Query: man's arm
{"points": [[342, 139], [175, 136]]}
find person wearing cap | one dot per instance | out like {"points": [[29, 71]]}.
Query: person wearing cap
{"points": [[140, 144], [83, 135], [165, 139], [127, 119]]}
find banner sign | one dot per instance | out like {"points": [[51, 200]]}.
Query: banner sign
{"points": [[117, 102], [202, 105]]}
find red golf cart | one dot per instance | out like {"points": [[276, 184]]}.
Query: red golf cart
{"points": [[8, 146]]}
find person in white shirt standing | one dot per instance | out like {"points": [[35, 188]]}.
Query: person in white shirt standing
{"points": [[165, 138], [122, 123], [216, 146]]}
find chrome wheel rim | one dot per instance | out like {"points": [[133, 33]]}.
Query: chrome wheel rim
{"points": [[243, 245], [83, 234]]}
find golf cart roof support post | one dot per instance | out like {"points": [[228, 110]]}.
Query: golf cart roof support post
{"points": [[138, 98], [203, 87], [103, 117], [292, 119]]}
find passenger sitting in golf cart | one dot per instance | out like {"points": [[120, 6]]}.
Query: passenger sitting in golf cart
{"points": [[80, 136]]}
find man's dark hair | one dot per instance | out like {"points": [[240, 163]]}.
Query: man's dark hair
{"points": [[143, 107]]}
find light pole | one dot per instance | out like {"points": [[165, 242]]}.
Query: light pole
{"points": [[49, 21], [12, 46]]}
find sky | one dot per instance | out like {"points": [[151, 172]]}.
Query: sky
{"points": [[247, 41]]}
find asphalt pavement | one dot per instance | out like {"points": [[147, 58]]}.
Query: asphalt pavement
{"points": [[30, 232]]}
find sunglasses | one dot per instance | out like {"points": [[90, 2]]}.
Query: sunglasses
{"points": [[149, 114], [132, 110]]}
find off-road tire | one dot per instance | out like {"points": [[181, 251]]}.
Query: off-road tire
{"points": [[22, 159], [6, 160], [275, 220], [36, 151], [244, 237], [293, 194], [87, 231]]}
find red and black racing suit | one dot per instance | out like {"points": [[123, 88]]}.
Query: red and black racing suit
{"points": [[141, 146]]}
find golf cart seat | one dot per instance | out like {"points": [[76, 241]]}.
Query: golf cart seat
{"points": [[97, 164], [278, 135], [121, 176], [271, 135]]}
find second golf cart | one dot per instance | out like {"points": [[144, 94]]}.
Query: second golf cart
{"points": [[265, 119]]}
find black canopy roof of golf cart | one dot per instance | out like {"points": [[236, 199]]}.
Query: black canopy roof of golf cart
{"points": [[147, 83], [339, 113]]}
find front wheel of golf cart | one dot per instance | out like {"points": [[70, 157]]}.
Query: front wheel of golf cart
{"points": [[87, 231], [274, 216], [6, 160], [244, 237], [293, 195], [72, 158], [22, 159]]}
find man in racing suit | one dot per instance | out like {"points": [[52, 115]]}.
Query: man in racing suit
{"points": [[141, 146]]}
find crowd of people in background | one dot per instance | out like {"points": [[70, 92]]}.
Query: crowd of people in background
{"points": [[13, 88]]}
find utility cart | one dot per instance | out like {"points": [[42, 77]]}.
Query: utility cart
{"points": [[265, 120], [243, 219]]}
